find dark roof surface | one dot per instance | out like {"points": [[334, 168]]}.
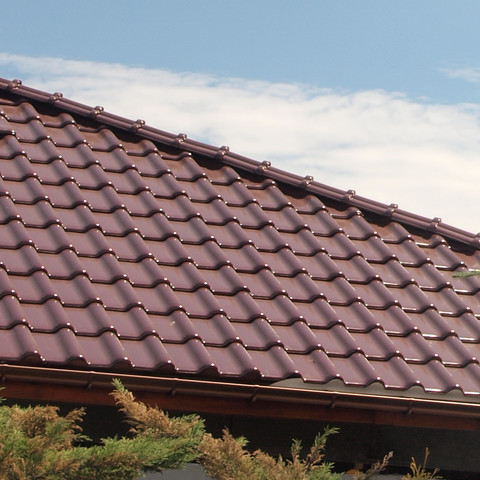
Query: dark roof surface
{"points": [[127, 249]]}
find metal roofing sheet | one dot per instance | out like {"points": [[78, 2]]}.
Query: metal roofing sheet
{"points": [[128, 249]]}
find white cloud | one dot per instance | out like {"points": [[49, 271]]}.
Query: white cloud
{"points": [[425, 157]]}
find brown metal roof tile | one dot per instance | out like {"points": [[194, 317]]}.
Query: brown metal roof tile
{"points": [[467, 378], [21, 261], [278, 310], [308, 204], [356, 227], [199, 190], [91, 243], [27, 191], [63, 265], [18, 345], [68, 195], [104, 269], [434, 377], [409, 253], [31, 131], [234, 361], [214, 212], [375, 295], [215, 331], [263, 284], [414, 348], [453, 353], [148, 354], [10, 147], [120, 295], [36, 288], [101, 139], [104, 200], [230, 235], [66, 134], [184, 166], [338, 291], [128, 182], [90, 320], [468, 303], [355, 370], [283, 262], [149, 164], [240, 307], [411, 298], [393, 273], [11, 312], [143, 204], [315, 366], [447, 302], [303, 242], [16, 168], [224, 280], [79, 219], [192, 357], [443, 257], [193, 230], [274, 363], [75, 292], [53, 171], [302, 288], [287, 220], [321, 223], [317, 314], [104, 351], [337, 341], [60, 348], [394, 373], [257, 335], [53, 238], [20, 112], [200, 303], [338, 246], [39, 215], [375, 344], [466, 326], [271, 197], [130, 248], [356, 270], [170, 251], [298, 337], [116, 223], [13, 235], [76, 156], [8, 210], [244, 259], [250, 216], [393, 320], [469, 284]]}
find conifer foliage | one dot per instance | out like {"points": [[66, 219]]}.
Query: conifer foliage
{"points": [[37, 443]]}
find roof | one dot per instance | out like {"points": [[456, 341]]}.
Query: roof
{"points": [[126, 249]]}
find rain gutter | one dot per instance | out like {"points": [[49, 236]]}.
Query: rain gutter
{"points": [[96, 386]]}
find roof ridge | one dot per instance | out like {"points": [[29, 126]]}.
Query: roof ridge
{"points": [[223, 154]]}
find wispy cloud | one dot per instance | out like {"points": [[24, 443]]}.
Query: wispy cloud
{"points": [[425, 157], [471, 75]]}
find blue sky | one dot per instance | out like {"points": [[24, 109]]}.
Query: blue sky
{"points": [[379, 96]]}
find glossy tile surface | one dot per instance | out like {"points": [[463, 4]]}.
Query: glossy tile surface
{"points": [[125, 248]]}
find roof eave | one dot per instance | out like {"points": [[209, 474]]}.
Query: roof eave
{"points": [[213, 397]]}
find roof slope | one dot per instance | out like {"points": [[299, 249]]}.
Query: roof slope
{"points": [[127, 249]]}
